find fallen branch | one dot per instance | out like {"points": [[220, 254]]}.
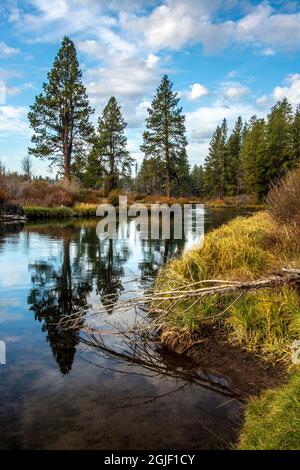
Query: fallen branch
{"points": [[163, 302]]}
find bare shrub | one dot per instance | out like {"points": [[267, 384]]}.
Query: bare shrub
{"points": [[284, 199], [113, 197], [13, 186]]}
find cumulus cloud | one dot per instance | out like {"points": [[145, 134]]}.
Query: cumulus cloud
{"points": [[234, 91], [195, 92], [263, 27]]}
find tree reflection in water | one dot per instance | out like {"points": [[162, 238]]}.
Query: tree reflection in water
{"points": [[134, 356], [62, 284], [59, 289]]}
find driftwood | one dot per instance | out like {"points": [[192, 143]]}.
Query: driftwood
{"points": [[161, 303]]}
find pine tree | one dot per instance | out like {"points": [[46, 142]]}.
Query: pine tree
{"points": [[254, 160], [233, 150], [150, 178], [280, 140], [165, 139], [60, 115], [110, 150], [296, 136], [215, 164]]}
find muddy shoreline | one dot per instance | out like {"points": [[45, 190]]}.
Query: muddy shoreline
{"points": [[246, 373]]}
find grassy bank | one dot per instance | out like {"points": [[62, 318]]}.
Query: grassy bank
{"points": [[273, 420], [79, 210], [232, 205], [245, 249], [263, 322]]}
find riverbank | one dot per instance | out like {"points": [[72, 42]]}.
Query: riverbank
{"points": [[263, 323], [41, 213]]}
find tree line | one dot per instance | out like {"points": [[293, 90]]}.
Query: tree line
{"points": [[255, 155], [246, 161]]}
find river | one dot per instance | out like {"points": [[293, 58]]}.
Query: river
{"points": [[64, 389]]}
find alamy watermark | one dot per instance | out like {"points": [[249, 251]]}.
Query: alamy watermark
{"points": [[2, 352], [155, 222]]}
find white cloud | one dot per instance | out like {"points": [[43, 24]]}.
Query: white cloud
{"points": [[152, 60], [261, 27], [202, 122], [7, 51], [127, 78], [195, 92], [291, 91], [268, 51], [13, 120], [235, 91], [263, 100]]}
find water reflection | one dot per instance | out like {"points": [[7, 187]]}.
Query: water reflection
{"points": [[62, 284]]}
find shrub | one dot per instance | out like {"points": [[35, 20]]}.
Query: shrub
{"points": [[3, 195], [85, 210], [113, 197], [284, 199], [36, 212], [58, 196]]}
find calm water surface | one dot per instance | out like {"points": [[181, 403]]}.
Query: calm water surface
{"points": [[64, 389]]}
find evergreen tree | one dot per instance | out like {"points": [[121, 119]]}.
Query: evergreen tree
{"points": [[197, 181], [296, 136], [233, 150], [110, 154], [215, 164], [165, 139], [150, 178], [60, 115], [280, 140], [254, 162]]}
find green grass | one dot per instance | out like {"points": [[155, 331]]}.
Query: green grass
{"points": [[79, 210], [85, 210], [36, 212], [272, 422]]}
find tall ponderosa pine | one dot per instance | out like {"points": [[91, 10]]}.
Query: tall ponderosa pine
{"points": [[215, 164], [60, 115], [109, 152], [165, 139]]}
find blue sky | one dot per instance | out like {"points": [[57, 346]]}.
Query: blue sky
{"points": [[226, 58]]}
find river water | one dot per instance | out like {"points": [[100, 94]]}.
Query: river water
{"points": [[65, 389]]}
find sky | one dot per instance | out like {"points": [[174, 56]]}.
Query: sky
{"points": [[225, 58]]}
